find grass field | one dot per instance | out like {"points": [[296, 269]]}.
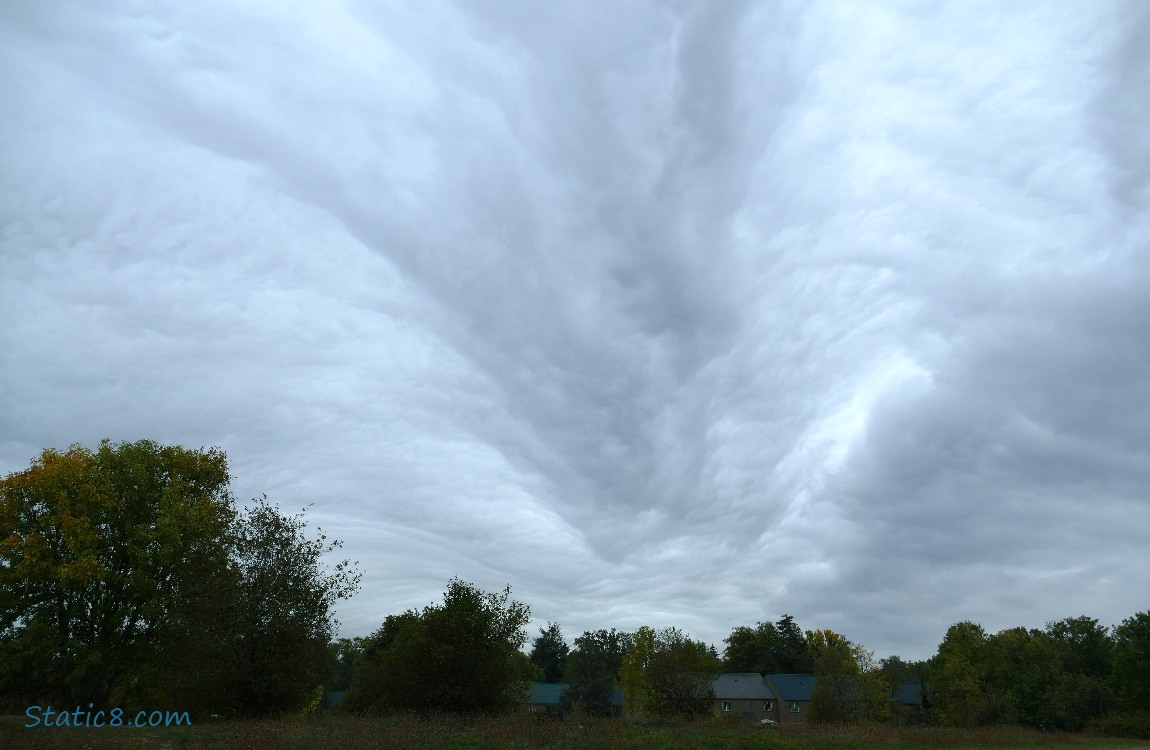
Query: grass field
{"points": [[354, 733]]}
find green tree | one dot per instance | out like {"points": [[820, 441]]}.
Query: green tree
{"points": [[1131, 675], [549, 652], [284, 620], [1087, 648], [127, 577], [668, 674], [794, 656], [102, 555], [837, 673], [593, 668], [758, 649], [957, 673], [461, 656]]}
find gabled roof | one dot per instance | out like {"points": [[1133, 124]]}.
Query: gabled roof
{"points": [[547, 693], [792, 687], [742, 685]]}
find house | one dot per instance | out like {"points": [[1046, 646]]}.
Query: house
{"points": [[745, 694], [794, 692], [909, 704], [546, 697]]}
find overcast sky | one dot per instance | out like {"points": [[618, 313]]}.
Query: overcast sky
{"points": [[664, 313]]}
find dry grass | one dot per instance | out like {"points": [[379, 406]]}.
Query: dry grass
{"points": [[403, 732]]}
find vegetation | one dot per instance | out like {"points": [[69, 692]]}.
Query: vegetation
{"points": [[666, 674], [549, 652], [404, 731], [129, 578], [462, 655], [593, 670]]}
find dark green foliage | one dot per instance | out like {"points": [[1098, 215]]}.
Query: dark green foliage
{"points": [[1131, 675], [460, 656], [666, 674], [767, 647], [283, 622], [104, 555], [794, 657], [592, 670], [127, 577], [758, 649], [549, 652], [342, 656]]}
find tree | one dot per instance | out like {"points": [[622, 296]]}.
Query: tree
{"points": [[957, 671], [342, 656], [759, 649], [668, 674], [461, 656], [549, 652], [593, 668], [284, 622], [1131, 676], [837, 673], [127, 577], [794, 657], [101, 553]]}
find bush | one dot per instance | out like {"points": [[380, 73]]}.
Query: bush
{"points": [[1130, 724]]}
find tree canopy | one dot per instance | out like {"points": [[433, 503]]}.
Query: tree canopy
{"points": [[549, 652], [129, 577], [460, 656]]}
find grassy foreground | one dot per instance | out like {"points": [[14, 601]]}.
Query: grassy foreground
{"points": [[356, 733]]}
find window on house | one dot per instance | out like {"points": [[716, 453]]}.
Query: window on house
{"points": [[794, 708], [726, 705], [768, 705]]}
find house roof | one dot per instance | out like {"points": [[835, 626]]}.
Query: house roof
{"points": [[547, 693], [742, 685], [550, 693], [909, 693], [792, 687]]}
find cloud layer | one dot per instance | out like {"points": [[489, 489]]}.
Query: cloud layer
{"points": [[664, 313]]}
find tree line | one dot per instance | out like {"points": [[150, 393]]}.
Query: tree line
{"points": [[129, 576]]}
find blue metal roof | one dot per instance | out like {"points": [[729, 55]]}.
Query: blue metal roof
{"points": [[550, 693], [547, 693], [792, 687]]}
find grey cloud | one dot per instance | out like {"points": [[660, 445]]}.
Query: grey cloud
{"points": [[664, 313]]}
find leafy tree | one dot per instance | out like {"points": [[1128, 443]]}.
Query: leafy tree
{"points": [[1086, 647], [837, 673], [758, 649], [102, 554], [284, 621], [592, 670], [1131, 676], [549, 652], [668, 674], [461, 656], [127, 577], [957, 671], [1021, 675]]}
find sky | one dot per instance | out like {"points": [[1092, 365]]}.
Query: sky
{"points": [[662, 313]]}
